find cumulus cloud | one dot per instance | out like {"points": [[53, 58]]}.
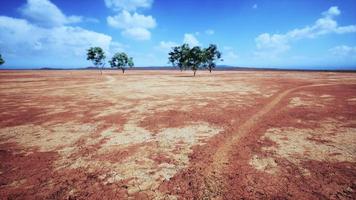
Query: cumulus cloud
{"points": [[45, 13], [344, 51], [43, 42], [125, 20], [137, 33], [274, 44], [271, 45], [133, 25], [129, 5], [166, 46], [230, 57], [190, 39], [332, 11], [60, 41], [210, 32]]}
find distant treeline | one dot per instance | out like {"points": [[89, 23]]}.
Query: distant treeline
{"points": [[218, 68]]}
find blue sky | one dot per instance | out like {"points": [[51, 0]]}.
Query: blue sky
{"points": [[250, 33]]}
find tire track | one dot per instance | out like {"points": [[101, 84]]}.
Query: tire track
{"points": [[214, 181]]}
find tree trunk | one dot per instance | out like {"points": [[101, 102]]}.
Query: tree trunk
{"points": [[210, 70], [195, 71], [101, 69], [123, 70]]}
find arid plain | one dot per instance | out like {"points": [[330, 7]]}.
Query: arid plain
{"points": [[167, 135]]}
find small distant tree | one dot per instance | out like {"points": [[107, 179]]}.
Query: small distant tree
{"points": [[209, 57], [2, 61], [97, 56], [121, 61]]}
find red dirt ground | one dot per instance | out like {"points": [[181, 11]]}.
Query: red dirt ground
{"points": [[167, 135]]}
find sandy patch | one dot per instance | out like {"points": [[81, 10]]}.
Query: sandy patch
{"points": [[46, 138], [267, 165], [141, 168], [297, 101], [326, 96], [332, 143], [304, 102], [351, 101]]}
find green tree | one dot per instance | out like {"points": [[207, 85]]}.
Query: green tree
{"points": [[194, 58], [179, 56], [209, 57], [173, 57], [121, 61], [2, 61], [97, 56]]}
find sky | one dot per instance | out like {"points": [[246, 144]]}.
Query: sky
{"points": [[249, 33]]}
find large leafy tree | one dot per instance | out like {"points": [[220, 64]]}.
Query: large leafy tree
{"points": [[97, 56], [179, 56], [194, 58], [121, 61], [209, 57], [2, 61]]}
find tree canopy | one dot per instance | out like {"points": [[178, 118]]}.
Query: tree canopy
{"points": [[97, 56], [179, 56], [2, 61], [121, 61], [194, 58], [210, 56]]}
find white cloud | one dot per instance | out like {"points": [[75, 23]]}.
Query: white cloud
{"points": [[210, 32], [273, 44], [61, 42], [344, 51], [137, 33], [45, 13], [129, 5], [230, 57], [125, 20], [343, 55], [333, 11], [166, 46], [191, 40], [255, 6], [188, 38], [135, 26], [24, 39]]}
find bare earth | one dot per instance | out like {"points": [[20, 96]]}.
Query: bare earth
{"points": [[167, 135]]}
